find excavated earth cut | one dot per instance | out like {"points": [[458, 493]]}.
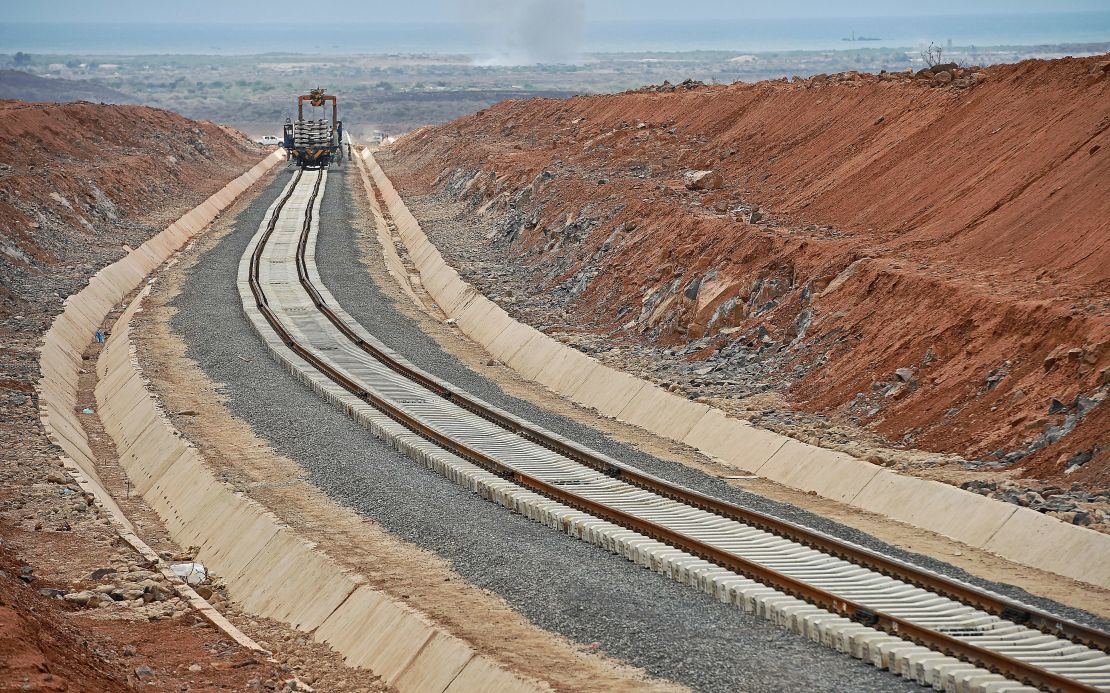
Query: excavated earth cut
{"points": [[939, 255]]}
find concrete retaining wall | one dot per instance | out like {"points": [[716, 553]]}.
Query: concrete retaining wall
{"points": [[1015, 533]]}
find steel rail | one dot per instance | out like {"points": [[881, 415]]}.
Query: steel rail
{"points": [[937, 641]]}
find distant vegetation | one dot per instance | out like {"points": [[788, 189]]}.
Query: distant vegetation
{"points": [[396, 93], [17, 84]]}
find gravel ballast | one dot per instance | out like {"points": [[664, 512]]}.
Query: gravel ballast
{"points": [[559, 583]]}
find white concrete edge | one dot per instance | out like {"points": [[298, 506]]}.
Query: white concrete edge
{"points": [[393, 264], [899, 656], [48, 398], [1017, 534], [184, 589]]}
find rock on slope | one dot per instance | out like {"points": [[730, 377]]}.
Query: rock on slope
{"points": [[928, 261]]}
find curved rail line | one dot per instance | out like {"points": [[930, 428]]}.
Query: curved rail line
{"points": [[1002, 607]]}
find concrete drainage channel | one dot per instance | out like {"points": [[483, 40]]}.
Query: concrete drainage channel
{"points": [[282, 295], [267, 568], [61, 358]]}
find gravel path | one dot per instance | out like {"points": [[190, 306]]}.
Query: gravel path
{"points": [[559, 583]]}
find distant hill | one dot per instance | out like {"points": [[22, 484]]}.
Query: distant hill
{"points": [[27, 87]]}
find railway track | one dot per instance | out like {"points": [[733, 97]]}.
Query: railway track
{"points": [[924, 626]]}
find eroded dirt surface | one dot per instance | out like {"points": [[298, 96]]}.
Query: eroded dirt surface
{"points": [[80, 610], [48, 644], [912, 272]]}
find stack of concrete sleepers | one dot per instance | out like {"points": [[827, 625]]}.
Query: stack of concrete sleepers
{"points": [[1015, 533]]}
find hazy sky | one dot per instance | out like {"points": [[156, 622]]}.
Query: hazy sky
{"points": [[205, 11]]}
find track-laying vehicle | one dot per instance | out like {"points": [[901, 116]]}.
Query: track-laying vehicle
{"points": [[314, 143]]}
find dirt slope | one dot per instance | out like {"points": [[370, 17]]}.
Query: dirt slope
{"points": [[927, 260], [78, 184]]}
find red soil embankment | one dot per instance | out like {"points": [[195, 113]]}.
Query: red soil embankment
{"points": [[959, 236], [78, 184], [83, 175]]}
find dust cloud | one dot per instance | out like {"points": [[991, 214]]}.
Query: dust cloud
{"points": [[529, 32]]}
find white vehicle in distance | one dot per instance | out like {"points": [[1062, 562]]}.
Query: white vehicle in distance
{"points": [[269, 140]]}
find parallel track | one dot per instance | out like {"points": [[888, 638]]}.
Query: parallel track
{"points": [[942, 614]]}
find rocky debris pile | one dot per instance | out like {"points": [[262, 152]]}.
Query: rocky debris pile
{"points": [[667, 88], [947, 74], [1059, 419], [951, 74], [1073, 505], [139, 591], [848, 78], [135, 587]]}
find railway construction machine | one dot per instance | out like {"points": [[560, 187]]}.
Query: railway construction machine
{"points": [[314, 143]]}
